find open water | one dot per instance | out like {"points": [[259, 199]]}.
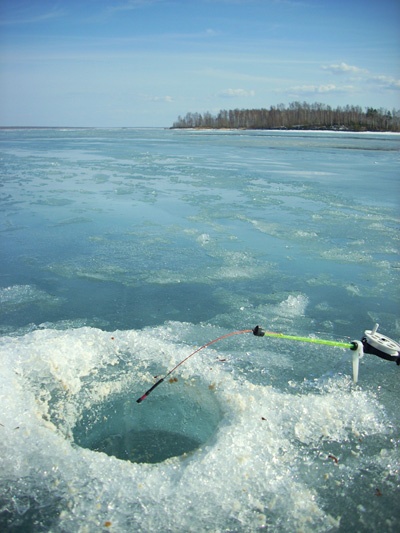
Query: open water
{"points": [[122, 252]]}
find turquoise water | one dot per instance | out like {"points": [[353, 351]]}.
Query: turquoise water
{"points": [[123, 250]]}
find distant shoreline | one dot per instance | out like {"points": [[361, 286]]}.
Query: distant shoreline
{"points": [[199, 129], [304, 130], [297, 116]]}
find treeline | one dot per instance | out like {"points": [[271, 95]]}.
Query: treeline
{"points": [[297, 115]]}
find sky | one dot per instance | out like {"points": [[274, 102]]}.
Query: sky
{"points": [[142, 63]]}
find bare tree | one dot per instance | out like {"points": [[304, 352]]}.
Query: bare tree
{"points": [[297, 115]]}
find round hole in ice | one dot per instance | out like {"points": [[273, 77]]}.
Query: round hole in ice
{"points": [[172, 422]]}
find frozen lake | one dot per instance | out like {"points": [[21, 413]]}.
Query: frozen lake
{"points": [[122, 251]]}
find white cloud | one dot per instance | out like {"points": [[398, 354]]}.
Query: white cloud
{"points": [[166, 98], [130, 5], [233, 93], [30, 16], [299, 91], [386, 82], [315, 88], [344, 68]]}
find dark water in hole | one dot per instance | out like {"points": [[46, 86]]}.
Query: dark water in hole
{"points": [[178, 420], [151, 446]]}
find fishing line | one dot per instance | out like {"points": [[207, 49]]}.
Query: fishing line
{"points": [[373, 343]]}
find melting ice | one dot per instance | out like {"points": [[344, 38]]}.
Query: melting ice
{"points": [[124, 251]]}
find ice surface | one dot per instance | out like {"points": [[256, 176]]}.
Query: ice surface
{"points": [[21, 295], [273, 447], [125, 250]]}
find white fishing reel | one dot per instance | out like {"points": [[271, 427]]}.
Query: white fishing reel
{"points": [[376, 344], [380, 345]]}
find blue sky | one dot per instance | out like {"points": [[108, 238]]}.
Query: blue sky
{"points": [[144, 62]]}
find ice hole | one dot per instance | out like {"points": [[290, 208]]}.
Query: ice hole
{"points": [[172, 422]]}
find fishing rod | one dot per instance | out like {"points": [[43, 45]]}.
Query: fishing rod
{"points": [[372, 343], [139, 400]]}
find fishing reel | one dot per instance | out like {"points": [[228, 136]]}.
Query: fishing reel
{"points": [[377, 344]]}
